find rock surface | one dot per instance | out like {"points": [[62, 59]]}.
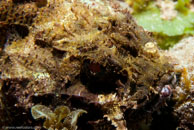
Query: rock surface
{"points": [[182, 57]]}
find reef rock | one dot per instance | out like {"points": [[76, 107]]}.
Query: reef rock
{"points": [[181, 56], [84, 54]]}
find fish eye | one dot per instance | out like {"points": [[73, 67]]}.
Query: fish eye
{"points": [[166, 91]]}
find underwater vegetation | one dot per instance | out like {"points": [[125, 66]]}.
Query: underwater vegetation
{"points": [[54, 120], [85, 65], [169, 21]]}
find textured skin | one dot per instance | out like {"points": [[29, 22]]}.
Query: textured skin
{"points": [[91, 52], [11, 13]]}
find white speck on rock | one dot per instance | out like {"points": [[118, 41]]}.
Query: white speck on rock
{"points": [[167, 8]]}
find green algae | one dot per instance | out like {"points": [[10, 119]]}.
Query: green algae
{"points": [[151, 21], [182, 6], [166, 32]]}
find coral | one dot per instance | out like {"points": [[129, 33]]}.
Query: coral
{"points": [[88, 55]]}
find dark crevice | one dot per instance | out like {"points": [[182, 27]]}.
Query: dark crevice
{"points": [[20, 116], [100, 79], [141, 100], [2, 37], [165, 116], [12, 33], [24, 83], [113, 23], [132, 50], [99, 28], [101, 124], [134, 118], [133, 88], [41, 3], [84, 122], [129, 36], [21, 1], [83, 103], [46, 99], [58, 53], [23, 31], [13, 115], [7, 60], [86, 49], [41, 43]]}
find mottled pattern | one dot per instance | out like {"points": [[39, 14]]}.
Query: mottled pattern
{"points": [[83, 54]]}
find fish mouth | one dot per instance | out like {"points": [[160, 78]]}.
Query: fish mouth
{"points": [[100, 78]]}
